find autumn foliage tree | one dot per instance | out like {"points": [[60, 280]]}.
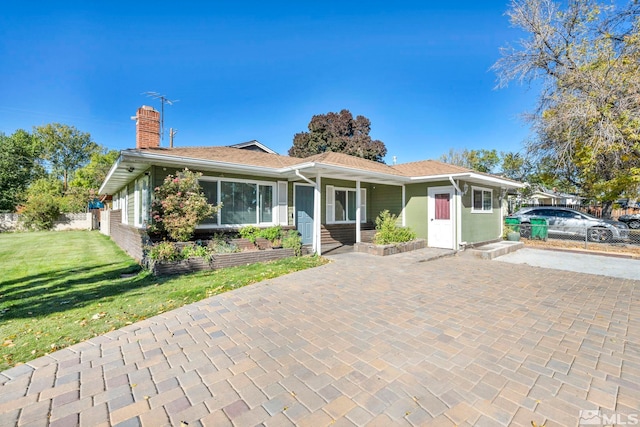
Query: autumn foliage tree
{"points": [[586, 54], [340, 133]]}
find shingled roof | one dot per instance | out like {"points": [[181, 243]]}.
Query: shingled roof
{"points": [[341, 165], [345, 160], [276, 161], [428, 168], [228, 155]]}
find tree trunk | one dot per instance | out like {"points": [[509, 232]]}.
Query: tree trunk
{"points": [[607, 208]]}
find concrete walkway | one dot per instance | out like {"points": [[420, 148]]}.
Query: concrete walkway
{"points": [[604, 264], [413, 339]]}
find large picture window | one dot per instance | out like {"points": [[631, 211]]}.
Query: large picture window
{"points": [[243, 202], [239, 201], [266, 203], [482, 200], [210, 190]]}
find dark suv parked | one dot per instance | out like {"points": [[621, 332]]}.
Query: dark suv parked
{"points": [[570, 222], [632, 220]]}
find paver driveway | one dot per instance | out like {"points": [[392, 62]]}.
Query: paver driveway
{"points": [[360, 341]]}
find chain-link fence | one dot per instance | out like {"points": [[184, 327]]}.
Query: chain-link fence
{"points": [[590, 237]]}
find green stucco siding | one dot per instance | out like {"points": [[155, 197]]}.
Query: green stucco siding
{"points": [[416, 208], [383, 197], [476, 226]]}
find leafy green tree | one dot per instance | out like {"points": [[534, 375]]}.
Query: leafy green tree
{"points": [[340, 133], [19, 166], [86, 181], [94, 173], [587, 57], [478, 160], [42, 208], [516, 166], [65, 149]]}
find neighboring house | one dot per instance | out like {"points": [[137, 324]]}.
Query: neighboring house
{"points": [[330, 198], [545, 197]]}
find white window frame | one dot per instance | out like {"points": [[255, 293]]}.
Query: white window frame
{"points": [[483, 190], [282, 203], [116, 201], [274, 201], [141, 201], [330, 204], [123, 204]]}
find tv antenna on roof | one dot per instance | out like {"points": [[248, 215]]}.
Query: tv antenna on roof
{"points": [[163, 100]]}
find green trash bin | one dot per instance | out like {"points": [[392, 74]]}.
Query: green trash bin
{"points": [[539, 228], [513, 224]]}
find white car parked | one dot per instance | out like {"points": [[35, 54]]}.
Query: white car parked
{"points": [[570, 222]]}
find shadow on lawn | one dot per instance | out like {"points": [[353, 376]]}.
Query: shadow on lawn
{"points": [[34, 282], [33, 297]]}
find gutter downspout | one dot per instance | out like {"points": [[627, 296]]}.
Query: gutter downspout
{"points": [[316, 204], [458, 213]]}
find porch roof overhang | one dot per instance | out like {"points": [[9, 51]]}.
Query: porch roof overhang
{"points": [[346, 173], [471, 177]]}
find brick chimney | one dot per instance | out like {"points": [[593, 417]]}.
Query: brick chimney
{"points": [[147, 127]]}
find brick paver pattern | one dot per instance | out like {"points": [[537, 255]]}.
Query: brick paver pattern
{"points": [[361, 341]]}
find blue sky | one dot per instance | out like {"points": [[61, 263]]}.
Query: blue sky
{"points": [[260, 70]]}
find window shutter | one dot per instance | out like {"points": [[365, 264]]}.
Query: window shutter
{"points": [[282, 203], [330, 202], [363, 205]]}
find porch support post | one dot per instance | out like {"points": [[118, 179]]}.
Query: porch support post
{"points": [[317, 216], [358, 213], [457, 206], [404, 205]]}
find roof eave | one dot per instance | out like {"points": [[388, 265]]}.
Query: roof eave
{"points": [[110, 174], [471, 176], [149, 159], [354, 173]]}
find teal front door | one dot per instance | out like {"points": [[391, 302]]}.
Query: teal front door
{"points": [[304, 212]]}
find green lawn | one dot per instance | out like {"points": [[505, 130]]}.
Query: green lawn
{"points": [[61, 288]]}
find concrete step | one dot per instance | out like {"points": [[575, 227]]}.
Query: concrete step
{"points": [[496, 249]]}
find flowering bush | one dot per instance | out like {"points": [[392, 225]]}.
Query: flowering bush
{"points": [[179, 206]]}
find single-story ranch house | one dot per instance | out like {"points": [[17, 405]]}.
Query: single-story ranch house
{"points": [[329, 198]]}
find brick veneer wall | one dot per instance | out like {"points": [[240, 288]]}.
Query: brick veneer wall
{"points": [[344, 234], [130, 239], [396, 248], [219, 261]]}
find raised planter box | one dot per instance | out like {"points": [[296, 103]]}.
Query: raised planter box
{"points": [[218, 261], [384, 250]]}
